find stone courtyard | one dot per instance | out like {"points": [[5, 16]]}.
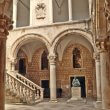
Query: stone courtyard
{"points": [[60, 105]]}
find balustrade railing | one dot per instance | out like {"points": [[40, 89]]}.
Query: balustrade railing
{"points": [[24, 89]]}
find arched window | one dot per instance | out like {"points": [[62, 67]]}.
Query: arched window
{"points": [[44, 61], [76, 58]]}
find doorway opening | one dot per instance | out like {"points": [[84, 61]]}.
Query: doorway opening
{"points": [[82, 84], [22, 66], [45, 85]]}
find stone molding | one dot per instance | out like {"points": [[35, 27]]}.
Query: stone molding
{"points": [[5, 25]]}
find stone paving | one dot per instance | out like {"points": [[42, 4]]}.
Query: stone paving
{"points": [[60, 105]]}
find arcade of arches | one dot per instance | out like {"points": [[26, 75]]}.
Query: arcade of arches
{"points": [[53, 46], [72, 59]]}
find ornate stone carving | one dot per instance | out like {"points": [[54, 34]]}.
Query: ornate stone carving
{"points": [[5, 25], [107, 9], [103, 44], [97, 56], [52, 58], [40, 11]]}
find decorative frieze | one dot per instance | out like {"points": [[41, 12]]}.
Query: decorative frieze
{"points": [[40, 10]]}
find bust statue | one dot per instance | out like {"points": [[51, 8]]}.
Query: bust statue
{"points": [[75, 82]]}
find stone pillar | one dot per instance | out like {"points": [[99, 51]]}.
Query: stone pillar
{"points": [[14, 12], [5, 25], [2, 69], [105, 81], [70, 10], [98, 76], [52, 78]]}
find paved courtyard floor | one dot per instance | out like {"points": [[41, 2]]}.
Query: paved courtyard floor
{"points": [[60, 105]]}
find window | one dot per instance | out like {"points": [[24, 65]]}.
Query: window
{"points": [[60, 10], [80, 9], [44, 61], [23, 13], [76, 58]]}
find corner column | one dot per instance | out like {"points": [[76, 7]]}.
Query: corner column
{"points": [[5, 25], [2, 70], [105, 77], [52, 61]]}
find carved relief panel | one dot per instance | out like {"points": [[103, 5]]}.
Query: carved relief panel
{"points": [[40, 10]]}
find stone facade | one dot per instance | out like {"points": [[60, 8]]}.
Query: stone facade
{"points": [[58, 33]]}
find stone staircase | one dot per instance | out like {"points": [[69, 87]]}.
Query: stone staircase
{"points": [[21, 90]]}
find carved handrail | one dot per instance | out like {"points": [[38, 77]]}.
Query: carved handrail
{"points": [[39, 90], [23, 91], [27, 81]]}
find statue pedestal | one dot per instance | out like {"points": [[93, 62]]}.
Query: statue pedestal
{"points": [[76, 94]]}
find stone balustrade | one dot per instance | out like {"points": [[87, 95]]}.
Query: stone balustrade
{"points": [[28, 92], [39, 90]]}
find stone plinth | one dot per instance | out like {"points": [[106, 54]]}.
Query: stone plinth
{"points": [[76, 93]]}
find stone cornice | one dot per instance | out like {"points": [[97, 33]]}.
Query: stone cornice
{"points": [[5, 25]]}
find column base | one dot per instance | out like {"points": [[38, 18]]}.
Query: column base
{"points": [[53, 100], [98, 104]]}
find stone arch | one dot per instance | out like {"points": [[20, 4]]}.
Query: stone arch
{"points": [[86, 35], [25, 39]]}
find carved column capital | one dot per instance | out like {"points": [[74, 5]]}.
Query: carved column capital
{"points": [[52, 59], [5, 26], [97, 56], [103, 44]]}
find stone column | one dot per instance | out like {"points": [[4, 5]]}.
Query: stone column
{"points": [[52, 78], [2, 69], [4, 27], [98, 76], [105, 81], [14, 12], [70, 10]]}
